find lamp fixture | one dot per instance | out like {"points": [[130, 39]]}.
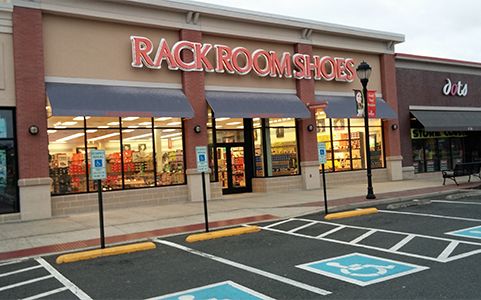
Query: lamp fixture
{"points": [[310, 127], [33, 129], [197, 128], [394, 126]]}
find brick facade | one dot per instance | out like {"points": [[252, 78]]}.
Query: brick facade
{"points": [[30, 92]]}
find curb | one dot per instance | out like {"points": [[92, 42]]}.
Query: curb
{"points": [[91, 254], [415, 202], [351, 213], [221, 233]]}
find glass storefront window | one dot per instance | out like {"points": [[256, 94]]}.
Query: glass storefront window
{"points": [[345, 139], [108, 140], [169, 156], [130, 151], [67, 161], [258, 153], [138, 158], [8, 174], [283, 152]]}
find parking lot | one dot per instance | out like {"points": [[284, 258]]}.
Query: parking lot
{"points": [[422, 251]]}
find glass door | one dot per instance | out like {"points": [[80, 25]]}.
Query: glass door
{"points": [[231, 168]]}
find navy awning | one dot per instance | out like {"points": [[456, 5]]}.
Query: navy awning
{"points": [[256, 105], [448, 120], [345, 107], [67, 99]]}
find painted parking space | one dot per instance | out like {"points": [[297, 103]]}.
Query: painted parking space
{"points": [[223, 290], [361, 269], [471, 232]]}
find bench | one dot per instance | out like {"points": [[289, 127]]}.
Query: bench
{"points": [[463, 169]]}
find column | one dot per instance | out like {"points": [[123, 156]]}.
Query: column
{"points": [[193, 84], [392, 139], [34, 181], [307, 139]]}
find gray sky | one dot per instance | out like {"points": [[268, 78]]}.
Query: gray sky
{"points": [[442, 28]]}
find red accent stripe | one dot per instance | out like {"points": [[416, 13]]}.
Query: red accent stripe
{"points": [[132, 236]]}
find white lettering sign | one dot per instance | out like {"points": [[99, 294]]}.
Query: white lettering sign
{"points": [[454, 89]]}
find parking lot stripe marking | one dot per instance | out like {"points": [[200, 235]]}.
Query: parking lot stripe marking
{"points": [[276, 224], [361, 237], [449, 249], [463, 255], [246, 268], [20, 271], [429, 215], [12, 262], [331, 231], [67, 283], [38, 296], [402, 242], [389, 231], [456, 202], [3, 288], [302, 227]]}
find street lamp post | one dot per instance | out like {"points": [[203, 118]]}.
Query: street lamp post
{"points": [[363, 72]]}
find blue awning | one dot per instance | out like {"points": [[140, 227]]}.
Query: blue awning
{"points": [[345, 107], [256, 105], [67, 99]]}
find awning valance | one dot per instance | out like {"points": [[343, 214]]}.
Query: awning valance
{"points": [[447, 120], [345, 107], [256, 105], [67, 99]]}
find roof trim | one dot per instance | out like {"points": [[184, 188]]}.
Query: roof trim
{"points": [[437, 60]]}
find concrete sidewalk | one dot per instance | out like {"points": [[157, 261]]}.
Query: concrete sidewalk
{"points": [[81, 231]]}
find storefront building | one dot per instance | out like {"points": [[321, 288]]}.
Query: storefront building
{"points": [[439, 112], [148, 83]]}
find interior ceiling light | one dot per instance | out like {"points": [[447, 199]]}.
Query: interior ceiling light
{"points": [[168, 130], [221, 119], [69, 123], [130, 118], [113, 123], [162, 119], [70, 137], [138, 137], [91, 130], [103, 137], [233, 123], [174, 123]]}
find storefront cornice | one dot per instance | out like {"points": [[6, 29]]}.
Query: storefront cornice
{"points": [[213, 19], [427, 63], [77, 80], [6, 17], [443, 108]]}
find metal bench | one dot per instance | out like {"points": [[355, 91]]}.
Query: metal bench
{"points": [[463, 169]]}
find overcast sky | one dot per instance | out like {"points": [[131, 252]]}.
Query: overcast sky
{"points": [[442, 28]]}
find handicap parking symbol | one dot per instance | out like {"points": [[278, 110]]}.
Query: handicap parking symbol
{"points": [[471, 232], [98, 163], [361, 269], [226, 290]]}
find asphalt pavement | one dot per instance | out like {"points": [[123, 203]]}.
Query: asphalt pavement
{"points": [[430, 251]]}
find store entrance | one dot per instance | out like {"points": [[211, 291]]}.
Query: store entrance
{"points": [[231, 167]]}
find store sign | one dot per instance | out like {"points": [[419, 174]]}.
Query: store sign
{"points": [[321, 151], [240, 61], [421, 134], [98, 170], [455, 89]]}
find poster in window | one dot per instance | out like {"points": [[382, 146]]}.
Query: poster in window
{"points": [[3, 168], [3, 128], [279, 132]]}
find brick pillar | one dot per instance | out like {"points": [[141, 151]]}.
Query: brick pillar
{"points": [[34, 183], [307, 140], [193, 85], [392, 139]]}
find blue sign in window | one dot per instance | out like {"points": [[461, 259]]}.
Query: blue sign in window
{"points": [[98, 163], [471, 232], [222, 290], [361, 269]]}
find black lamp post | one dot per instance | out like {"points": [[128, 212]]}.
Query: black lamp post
{"points": [[363, 72]]}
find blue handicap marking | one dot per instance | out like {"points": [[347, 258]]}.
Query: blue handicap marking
{"points": [[361, 269], [201, 157], [98, 163], [220, 291], [471, 232]]}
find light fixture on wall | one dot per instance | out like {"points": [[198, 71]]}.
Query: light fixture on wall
{"points": [[310, 127], [197, 128], [33, 129], [394, 126]]}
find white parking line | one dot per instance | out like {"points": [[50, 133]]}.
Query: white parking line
{"points": [[331, 231], [20, 271], [402, 242], [449, 249], [67, 283], [456, 202], [361, 237], [3, 288], [246, 268], [302, 227], [277, 223], [428, 215], [38, 296], [16, 261]]}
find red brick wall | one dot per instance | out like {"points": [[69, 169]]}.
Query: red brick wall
{"points": [[306, 92], [30, 92], [392, 138], [193, 84]]}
